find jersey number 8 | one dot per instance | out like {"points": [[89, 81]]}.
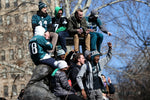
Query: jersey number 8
{"points": [[33, 48]]}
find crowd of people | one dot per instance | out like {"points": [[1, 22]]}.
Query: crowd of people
{"points": [[75, 76]]}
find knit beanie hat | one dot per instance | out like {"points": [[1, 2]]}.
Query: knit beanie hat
{"points": [[94, 13], [42, 5], [95, 53], [60, 52], [39, 30], [62, 64], [86, 53]]}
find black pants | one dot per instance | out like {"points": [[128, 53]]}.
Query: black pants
{"points": [[70, 97]]}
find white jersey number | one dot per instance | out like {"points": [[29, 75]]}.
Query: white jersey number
{"points": [[33, 48], [56, 27]]}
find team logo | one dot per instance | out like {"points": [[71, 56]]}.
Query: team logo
{"points": [[45, 22]]}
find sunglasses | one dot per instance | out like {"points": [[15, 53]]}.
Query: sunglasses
{"points": [[60, 13]]}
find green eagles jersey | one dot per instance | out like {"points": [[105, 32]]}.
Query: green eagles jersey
{"points": [[38, 47]]}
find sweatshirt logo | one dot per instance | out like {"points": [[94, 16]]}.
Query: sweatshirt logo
{"points": [[64, 22], [45, 22]]}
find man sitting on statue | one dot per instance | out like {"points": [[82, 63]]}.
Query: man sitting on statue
{"points": [[39, 47]]}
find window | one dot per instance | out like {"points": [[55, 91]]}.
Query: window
{"points": [[25, 18], [19, 39], [4, 73], [6, 91], [0, 4], [26, 34], [14, 90], [8, 20], [22, 86], [23, 2], [17, 19], [49, 1], [12, 69], [19, 53], [1, 20], [15, 3], [1, 36], [2, 55], [10, 38], [11, 55], [14, 76], [7, 4]]}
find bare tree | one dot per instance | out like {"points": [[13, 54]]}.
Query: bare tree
{"points": [[133, 40], [128, 20]]}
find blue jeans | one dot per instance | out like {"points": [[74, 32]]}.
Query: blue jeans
{"points": [[96, 41], [62, 39], [49, 62]]}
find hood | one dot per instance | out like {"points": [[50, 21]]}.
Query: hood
{"points": [[57, 9], [39, 30]]}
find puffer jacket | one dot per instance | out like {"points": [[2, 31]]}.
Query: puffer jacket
{"points": [[62, 87]]}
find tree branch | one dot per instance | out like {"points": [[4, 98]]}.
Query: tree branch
{"points": [[77, 6], [117, 1], [27, 2], [16, 67], [86, 7], [67, 8]]}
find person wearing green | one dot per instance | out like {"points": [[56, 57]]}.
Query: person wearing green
{"points": [[60, 25], [96, 38], [41, 18]]}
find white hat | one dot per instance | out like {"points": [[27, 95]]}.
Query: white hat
{"points": [[62, 64], [39, 30], [60, 52]]}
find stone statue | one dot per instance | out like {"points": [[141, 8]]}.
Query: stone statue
{"points": [[39, 86]]}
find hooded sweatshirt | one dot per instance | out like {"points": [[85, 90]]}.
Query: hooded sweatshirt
{"points": [[93, 79], [59, 23], [38, 45]]}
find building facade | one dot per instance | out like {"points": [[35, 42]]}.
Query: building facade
{"points": [[15, 33]]}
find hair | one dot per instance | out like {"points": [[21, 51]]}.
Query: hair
{"points": [[77, 56], [107, 87], [79, 9], [103, 75]]}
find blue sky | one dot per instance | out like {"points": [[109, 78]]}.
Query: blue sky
{"points": [[140, 15], [121, 41]]}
